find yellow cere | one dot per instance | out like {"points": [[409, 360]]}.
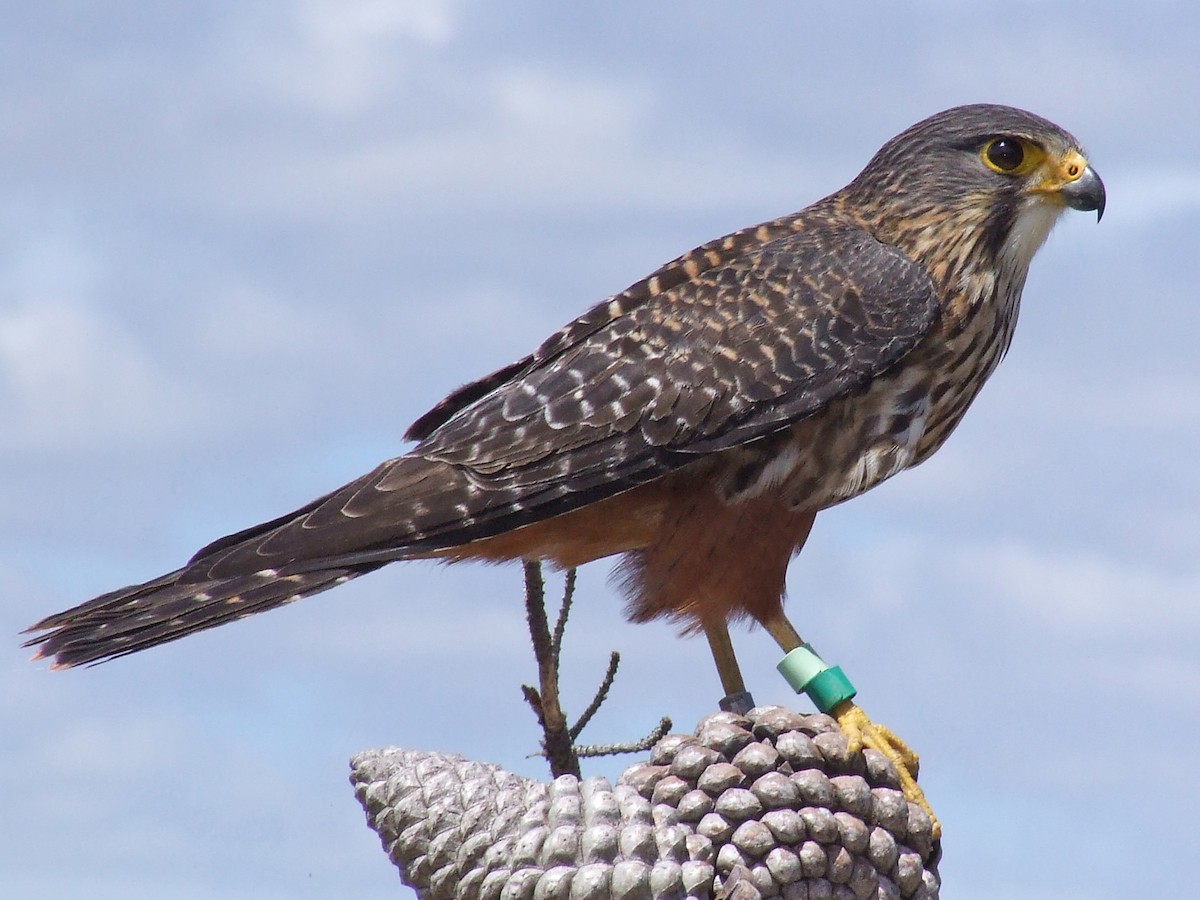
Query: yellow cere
{"points": [[1060, 172], [1020, 157]]}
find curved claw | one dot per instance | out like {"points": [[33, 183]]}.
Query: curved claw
{"points": [[861, 732]]}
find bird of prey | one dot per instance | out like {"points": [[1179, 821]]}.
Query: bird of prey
{"points": [[694, 423]]}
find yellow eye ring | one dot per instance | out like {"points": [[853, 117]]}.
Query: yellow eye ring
{"points": [[1004, 154], [1011, 155]]}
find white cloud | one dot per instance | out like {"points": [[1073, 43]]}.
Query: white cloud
{"points": [[70, 379], [1080, 592], [579, 108], [1049, 393], [349, 24], [242, 322], [339, 58], [512, 140], [1153, 676], [529, 144]]}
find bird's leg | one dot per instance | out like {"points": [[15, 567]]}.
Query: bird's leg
{"points": [[737, 699], [832, 693], [786, 636]]}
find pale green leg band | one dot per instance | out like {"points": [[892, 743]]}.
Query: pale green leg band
{"points": [[807, 673]]}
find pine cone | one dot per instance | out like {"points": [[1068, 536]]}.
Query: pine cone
{"points": [[770, 804]]}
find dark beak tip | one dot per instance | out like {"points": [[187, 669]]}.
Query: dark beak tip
{"points": [[1087, 193]]}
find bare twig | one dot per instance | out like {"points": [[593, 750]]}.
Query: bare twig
{"points": [[587, 750], [556, 742], [534, 699], [563, 612], [614, 660]]}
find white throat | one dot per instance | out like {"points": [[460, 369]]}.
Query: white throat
{"points": [[1034, 221]]}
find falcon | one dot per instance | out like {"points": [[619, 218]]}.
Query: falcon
{"points": [[693, 424]]}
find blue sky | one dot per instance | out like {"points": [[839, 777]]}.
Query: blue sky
{"points": [[243, 245]]}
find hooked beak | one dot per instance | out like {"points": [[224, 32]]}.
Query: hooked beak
{"points": [[1085, 193]]}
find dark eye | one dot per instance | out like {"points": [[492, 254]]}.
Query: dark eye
{"points": [[1004, 154]]}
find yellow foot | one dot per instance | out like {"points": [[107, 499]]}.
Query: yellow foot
{"points": [[861, 732]]}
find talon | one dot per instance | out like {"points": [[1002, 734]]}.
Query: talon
{"points": [[861, 732]]}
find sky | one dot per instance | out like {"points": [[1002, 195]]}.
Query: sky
{"points": [[243, 245]]}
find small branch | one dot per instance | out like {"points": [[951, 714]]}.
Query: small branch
{"points": [[563, 612], [614, 660], [534, 699], [557, 742], [535, 608], [645, 743]]}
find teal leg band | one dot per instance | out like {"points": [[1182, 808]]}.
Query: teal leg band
{"points": [[829, 688], [807, 673]]}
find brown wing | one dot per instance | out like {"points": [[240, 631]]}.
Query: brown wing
{"points": [[637, 387], [724, 346]]}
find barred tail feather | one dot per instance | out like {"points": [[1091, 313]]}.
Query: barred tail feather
{"points": [[407, 508], [261, 567], [168, 608]]}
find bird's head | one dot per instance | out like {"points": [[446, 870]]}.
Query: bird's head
{"points": [[991, 178]]}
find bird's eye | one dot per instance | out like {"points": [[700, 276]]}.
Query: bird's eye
{"points": [[1004, 154]]}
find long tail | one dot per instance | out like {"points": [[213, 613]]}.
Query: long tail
{"points": [[406, 508], [168, 608]]}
